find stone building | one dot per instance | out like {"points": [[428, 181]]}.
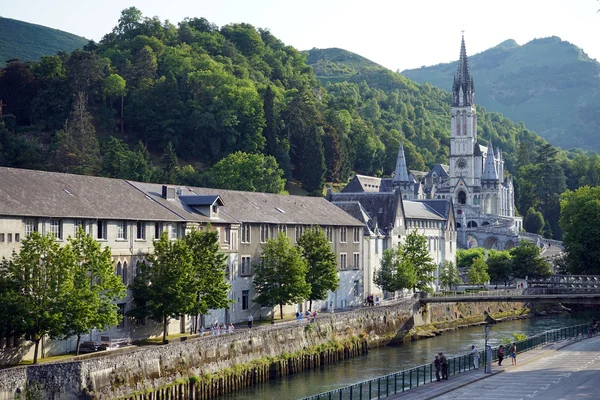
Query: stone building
{"points": [[128, 216]]}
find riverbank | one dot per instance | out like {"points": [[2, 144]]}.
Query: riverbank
{"points": [[212, 366]]}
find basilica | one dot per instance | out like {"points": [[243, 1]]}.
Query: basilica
{"points": [[473, 182]]}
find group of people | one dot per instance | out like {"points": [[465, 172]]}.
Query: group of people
{"points": [[372, 300], [441, 363], [217, 329], [594, 328], [308, 315]]}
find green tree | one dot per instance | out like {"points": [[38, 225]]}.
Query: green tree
{"points": [[312, 165], [77, 150], [94, 288], [40, 273], [114, 87], [396, 272], [210, 269], [499, 266], [580, 210], [321, 274], [478, 274], [449, 276], [534, 221], [464, 258], [280, 276], [166, 286], [415, 252], [248, 172], [169, 165], [527, 261]]}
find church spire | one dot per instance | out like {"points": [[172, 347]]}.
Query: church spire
{"points": [[401, 171], [463, 90], [490, 172]]}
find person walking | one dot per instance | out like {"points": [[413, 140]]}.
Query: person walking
{"points": [[444, 363], [513, 353], [475, 355], [437, 363], [250, 319], [331, 307], [500, 355]]}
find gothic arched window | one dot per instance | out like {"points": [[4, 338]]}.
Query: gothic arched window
{"points": [[125, 276], [462, 197], [119, 269]]}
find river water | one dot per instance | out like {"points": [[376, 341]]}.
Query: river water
{"points": [[389, 359]]}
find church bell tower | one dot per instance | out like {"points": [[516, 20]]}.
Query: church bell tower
{"points": [[464, 124]]}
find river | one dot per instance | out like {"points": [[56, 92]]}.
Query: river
{"points": [[385, 360]]}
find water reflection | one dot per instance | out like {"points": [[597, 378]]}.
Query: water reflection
{"points": [[395, 358]]}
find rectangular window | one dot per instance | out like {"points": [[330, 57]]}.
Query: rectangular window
{"points": [[157, 230], [30, 226], [227, 234], [121, 230], [101, 231], [17, 237], [245, 233], [245, 266], [282, 229], [140, 230], [121, 313], [343, 261], [56, 229], [264, 233], [343, 234], [174, 231], [1, 237], [299, 230], [356, 260], [9, 237], [245, 299], [80, 224], [356, 234], [356, 288], [329, 233]]}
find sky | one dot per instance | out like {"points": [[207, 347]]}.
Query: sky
{"points": [[397, 34]]}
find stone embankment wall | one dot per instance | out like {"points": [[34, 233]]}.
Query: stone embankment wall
{"points": [[205, 367]]}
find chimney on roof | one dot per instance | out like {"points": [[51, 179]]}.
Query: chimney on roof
{"points": [[168, 193]]}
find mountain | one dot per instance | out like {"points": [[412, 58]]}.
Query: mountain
{"points": [[550, 84], [29, 42]]}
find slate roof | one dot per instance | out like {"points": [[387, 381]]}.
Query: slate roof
{"points": [[420, 210], [440, 169], [50, 194], [381, 207], [442, 207], [192, 200]]}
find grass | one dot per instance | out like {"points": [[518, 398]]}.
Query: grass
{"points": [[159, 340], [44, 360]]}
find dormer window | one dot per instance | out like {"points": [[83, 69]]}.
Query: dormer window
{"points": [[215, 209]]}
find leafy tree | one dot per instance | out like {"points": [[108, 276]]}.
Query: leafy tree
{"points": [[477, 274], [280, 276], [579, 212], [40, 273], [534, 221], [415, 252], [94, 288], [169, 165], [114, 87], [396, 272], [312, 165], [449, 276], [321, 274], [166, 286], [248, 172], [464, 258], [499, 266], [210, 269], [527, 261]]}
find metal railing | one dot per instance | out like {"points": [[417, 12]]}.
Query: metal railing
{"points": [[477, 293], [398, 382]]}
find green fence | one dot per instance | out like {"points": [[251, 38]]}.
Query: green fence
{"points": [[398, 382]]}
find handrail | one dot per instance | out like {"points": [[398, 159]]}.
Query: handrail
{"points": [[398, 382]]}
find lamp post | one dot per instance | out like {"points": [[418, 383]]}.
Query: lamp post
{"points": [[488, 351]]}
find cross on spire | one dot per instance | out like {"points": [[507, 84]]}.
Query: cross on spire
{"points": [[463, 90]]}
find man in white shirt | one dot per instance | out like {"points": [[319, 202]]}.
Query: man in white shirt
{"points": [[250, 319], [475, 355]]}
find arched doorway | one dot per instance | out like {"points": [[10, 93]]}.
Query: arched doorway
{"points": [[491, 243], [462, 197], [471, 242], [471, 224], [509, 245]]}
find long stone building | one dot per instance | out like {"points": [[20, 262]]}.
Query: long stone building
{"points": [[128, 216]]}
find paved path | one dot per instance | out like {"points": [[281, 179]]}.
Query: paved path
{"points": [[563, 370], [568, 373]]}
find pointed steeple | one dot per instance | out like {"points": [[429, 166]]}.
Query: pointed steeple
{"points": [[489, 169], [401, 171], [463, 90]]}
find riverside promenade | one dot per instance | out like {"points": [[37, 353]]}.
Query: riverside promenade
{"points": [[562, 370]]}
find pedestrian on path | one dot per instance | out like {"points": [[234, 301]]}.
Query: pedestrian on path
{"points": [[331, 307], [513, 353], [475, 355], [250, 319], [438, 367], [500, 355], [444, 363]]}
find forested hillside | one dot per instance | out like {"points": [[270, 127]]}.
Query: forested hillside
{"points": [[549, 83], [27, 42], [244, 110]]}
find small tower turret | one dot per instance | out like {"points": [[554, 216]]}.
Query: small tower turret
{"points": [[490, 171]]}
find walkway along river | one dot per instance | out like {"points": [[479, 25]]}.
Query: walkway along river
{"points": [[385, 360]]}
